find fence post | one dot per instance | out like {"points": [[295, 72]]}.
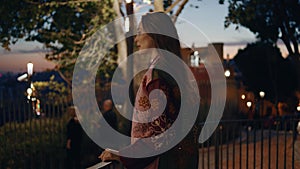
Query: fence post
{"points": [[216, 149]]}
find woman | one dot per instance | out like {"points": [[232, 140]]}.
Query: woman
{"points": [[157, 31]]}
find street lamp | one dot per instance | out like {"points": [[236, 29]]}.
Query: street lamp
{"points": [[250, 115], [29, 68], [31, 95], [249, 104], [227, 73], [26, 76], [262, 95], [22, 77], [29, 91]]}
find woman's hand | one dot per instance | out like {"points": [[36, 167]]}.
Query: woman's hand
{"points": [[107, 155]]}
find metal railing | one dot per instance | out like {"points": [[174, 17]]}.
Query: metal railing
{"points": [[264, 143], [32, 141]]}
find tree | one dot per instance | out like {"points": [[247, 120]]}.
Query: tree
{"points": [[52, 91], [270, 20], [62, 26], [264, 69]]}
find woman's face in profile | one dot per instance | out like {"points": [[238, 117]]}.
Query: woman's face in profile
{"points": [[143, 40]]}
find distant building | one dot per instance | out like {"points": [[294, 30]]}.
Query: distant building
{"points": [[197, 58]]}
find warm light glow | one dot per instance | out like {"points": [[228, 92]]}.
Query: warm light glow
{"points": [[243, 97], [262, 94], [38, 107], [249, 104], [31, 86], [29, 91], [227, 73], [22, 77], [128, 1], [298, 107], [30, 68]]}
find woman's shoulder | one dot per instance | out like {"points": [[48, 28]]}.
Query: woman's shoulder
{"points": [[163, 76]]}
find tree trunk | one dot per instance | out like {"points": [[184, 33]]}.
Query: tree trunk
{"points": [[64, 78], [122, 46], [286, 41], [281, 16], [296, 61], [158, 5], [172, 6], [296, 46]]}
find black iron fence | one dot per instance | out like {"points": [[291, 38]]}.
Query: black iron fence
{"points": [[265, 143], [32, 138], [36, 140]]}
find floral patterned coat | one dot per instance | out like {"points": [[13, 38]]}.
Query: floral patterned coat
{"points": [[159, 117]]}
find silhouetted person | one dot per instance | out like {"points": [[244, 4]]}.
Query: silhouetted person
{"points": [[74, 138], [108, 113]]}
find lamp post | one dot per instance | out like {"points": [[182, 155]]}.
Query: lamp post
{"points": [[262, 95], [29, 75], [30, 69], [298, 107], [250, 114], [249, 104], [243, 97], [130, 49], [31, 95], [30, 89], [227, 73]]}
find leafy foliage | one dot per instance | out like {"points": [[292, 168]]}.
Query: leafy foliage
{"points": [[265, 69], [270, 20], [62, 26], [37, 138], [52, 91], [52, 22]]}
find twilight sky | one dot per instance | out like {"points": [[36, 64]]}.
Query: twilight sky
{"points": [[208, 19]]}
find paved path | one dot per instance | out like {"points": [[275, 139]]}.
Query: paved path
{"points": [[230, 157]]}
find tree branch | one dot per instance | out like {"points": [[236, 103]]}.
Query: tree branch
{"points": [[289, 29], [60, 3], [64, 77], [172, 6], [285, 40], [179, 10]]}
